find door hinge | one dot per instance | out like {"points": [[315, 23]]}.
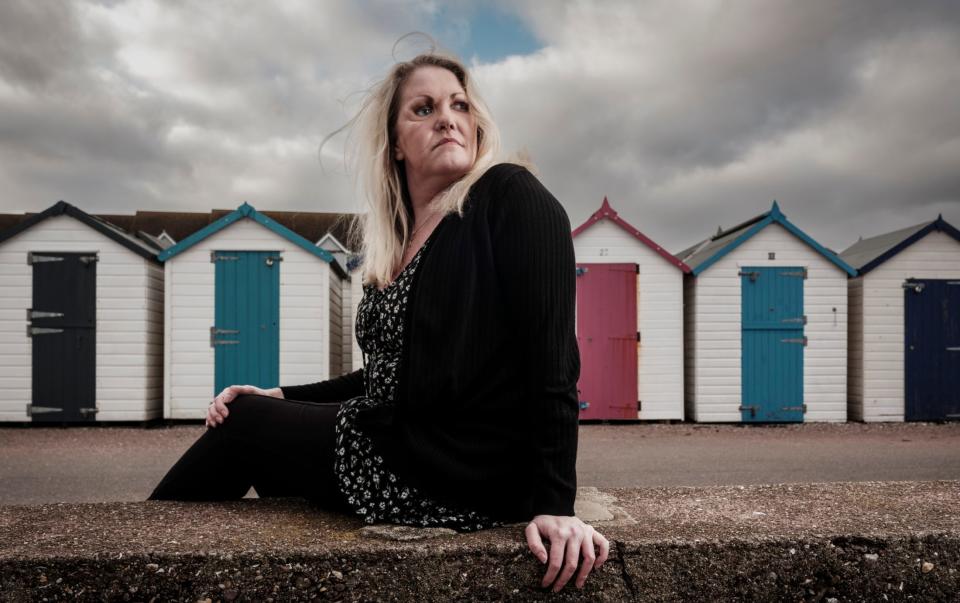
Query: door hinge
{"points": [[582, 271], [752, 409], [31, 331], [36, 258], [89, 411], [801, 273], [35, 409], [638, 335], [584, 405], [31, 314], [89, 259], [800, 340], [801, 320], [917, 287], [639, 405], [215, 331], [802, 408], [215, 258]]}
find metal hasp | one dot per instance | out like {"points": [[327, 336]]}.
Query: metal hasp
{"points": [[800, 340], [584, 405], [582, 271], [753, 275], [752, 409], [88, 259], [272, 259], [214, 331]]}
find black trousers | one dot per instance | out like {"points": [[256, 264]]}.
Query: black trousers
{"points": [[282, 448]]}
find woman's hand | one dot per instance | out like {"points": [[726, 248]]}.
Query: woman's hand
{"points": [[569, 538], [217, 411]]}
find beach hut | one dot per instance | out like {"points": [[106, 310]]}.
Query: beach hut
{"points": [[81, 320], [629, 321], [904, 307], [765, 323], [248, 301]]}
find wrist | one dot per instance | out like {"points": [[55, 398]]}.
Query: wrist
{"points": [[274, 392]]}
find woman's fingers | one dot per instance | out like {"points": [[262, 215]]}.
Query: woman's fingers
{"points": [[589, 556], [572, 557], [534, 543], [555, 562], [604, 545], [217, 411]]}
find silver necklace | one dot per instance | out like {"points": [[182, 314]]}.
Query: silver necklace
{"points": [[424, 223]]}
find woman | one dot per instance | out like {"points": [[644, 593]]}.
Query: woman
{"points": [[465, 413]]}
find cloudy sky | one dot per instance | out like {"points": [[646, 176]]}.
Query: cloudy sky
{"points": [[687, 115]]}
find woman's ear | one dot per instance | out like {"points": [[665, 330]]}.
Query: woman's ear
{"points": [[397, 153]]}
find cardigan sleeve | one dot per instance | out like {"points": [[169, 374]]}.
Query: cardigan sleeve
{"points": [[536, 268], [337, 389]]}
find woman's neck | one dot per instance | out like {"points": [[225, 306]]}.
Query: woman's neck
{"points": [[422, 192]]}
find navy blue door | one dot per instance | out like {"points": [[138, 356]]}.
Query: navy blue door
{"points": [[772, 340], [246, 331], [62, 327], [932, 350]]}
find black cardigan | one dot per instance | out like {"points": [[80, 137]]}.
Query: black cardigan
{"points": [[486, 411]]}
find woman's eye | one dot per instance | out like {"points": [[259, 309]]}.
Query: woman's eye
{"points": [[423, 110], [461, 105]]}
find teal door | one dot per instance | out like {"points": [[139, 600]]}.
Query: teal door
{"points": [[771, 362], [246, 331]]}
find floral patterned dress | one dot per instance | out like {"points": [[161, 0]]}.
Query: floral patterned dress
{"points": [[374, 492]]}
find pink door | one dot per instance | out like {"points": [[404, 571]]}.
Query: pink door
{"points": [[607, 336]]}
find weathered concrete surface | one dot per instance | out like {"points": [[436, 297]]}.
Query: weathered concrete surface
{"points": [[846, 541]]}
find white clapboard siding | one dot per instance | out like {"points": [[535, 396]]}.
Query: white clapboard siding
{"points": [[129, 316], [935, 256], [190, 280], [714, 323], [659, 315]]}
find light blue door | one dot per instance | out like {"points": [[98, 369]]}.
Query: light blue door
{"points": [[772, 341], [246, 331]]}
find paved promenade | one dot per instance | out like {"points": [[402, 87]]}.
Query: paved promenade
{"points": [[113, 464]]}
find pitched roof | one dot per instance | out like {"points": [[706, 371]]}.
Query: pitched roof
{"points": [[309, 225], [607, 212], [704, 254], [867, 254], [249, 212], [139, 246]]}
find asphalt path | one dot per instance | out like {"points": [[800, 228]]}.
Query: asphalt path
{"points": [[116, 464]]}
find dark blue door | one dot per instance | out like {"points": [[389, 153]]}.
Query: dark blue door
{"points": [[932, 354], [62, 327], [246, 331], [772, 340]]}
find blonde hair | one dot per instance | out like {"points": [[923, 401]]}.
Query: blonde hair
{"points": [[383, 231]]}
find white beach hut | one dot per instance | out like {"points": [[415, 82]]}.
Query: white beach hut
{"points": [[629, 321], [765, 323], [81, 321], [248, 301], [904, 306]]}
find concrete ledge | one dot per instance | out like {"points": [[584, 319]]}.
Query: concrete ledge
{"points": [[847, 541]]}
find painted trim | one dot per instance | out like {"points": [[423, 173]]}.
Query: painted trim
{"points": [[248, 211], [775, 216], [608, 212], [61, 208], [939, 224], [335, 240]]}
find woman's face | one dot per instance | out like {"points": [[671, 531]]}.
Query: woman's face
{"points": [[436, 130]]}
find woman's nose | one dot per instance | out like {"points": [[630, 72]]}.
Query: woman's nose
{"points": [[444, 121]]}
